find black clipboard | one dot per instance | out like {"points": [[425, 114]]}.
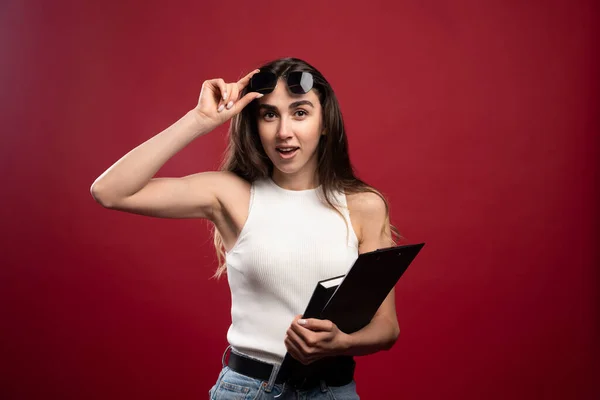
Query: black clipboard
{"points": [[366, 285], [352, 303]]}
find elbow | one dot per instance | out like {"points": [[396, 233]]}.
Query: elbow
{"points": [[100, 196], [393, 337]]}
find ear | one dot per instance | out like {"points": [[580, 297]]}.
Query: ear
{"points": [[324, 132]]}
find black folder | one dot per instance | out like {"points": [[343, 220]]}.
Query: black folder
{"points": [[350, 301]]}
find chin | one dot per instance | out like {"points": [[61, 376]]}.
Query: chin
{"points": [[287, 169]]}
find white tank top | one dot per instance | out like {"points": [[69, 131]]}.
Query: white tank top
{"points": [[290, 241]]}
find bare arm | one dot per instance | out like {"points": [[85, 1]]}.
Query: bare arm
{"points": [[383, 330], [128, 185]]}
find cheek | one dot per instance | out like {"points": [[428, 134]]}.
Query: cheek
{"points": [[310, 132], [268, 143]]}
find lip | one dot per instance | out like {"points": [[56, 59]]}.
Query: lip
{"points": [[287, 155]]}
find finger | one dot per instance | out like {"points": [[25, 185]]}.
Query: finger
{"points": [[244, 101], [222, 93], [316, 325], [296, 351], [242, 83], [293, 349], [220, 83], [300, 341], [233, 94], [310, 343], [302, 329]]}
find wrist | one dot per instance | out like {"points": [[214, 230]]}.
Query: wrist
{"points": [[346, 345], [201, 124]]}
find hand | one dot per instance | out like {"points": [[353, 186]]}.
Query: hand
{"points": [[312, 339], [219, 101]]}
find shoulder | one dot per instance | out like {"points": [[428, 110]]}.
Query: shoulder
{"points": [[367, 205], [370, 218]]}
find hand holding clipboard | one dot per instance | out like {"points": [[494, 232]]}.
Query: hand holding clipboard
{"points": [[352, 300]]}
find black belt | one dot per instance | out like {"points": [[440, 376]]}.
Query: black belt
{"points": [[332, 376]]}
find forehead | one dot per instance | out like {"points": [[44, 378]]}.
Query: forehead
{"points": [[281, 96]]}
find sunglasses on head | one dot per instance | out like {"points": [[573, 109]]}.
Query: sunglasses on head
{"points": [[297, 82]]}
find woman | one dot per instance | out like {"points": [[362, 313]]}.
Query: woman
{"points": [[287, 212]]}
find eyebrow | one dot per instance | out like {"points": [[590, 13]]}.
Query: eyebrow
{"points": [[291, 106]]}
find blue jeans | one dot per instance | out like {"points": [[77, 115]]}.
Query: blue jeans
{"points": [[234, 386]]}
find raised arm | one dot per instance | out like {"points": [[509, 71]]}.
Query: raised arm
{"points": [[128, 185]]}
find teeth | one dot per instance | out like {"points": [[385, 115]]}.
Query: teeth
{"points": [[286, 150]]}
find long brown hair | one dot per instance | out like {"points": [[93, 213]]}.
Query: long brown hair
{"points": [[246, 157]]}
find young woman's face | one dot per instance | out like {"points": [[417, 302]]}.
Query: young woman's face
{"points": [[289, 126]]}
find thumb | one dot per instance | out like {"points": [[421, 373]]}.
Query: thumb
{"points": [[244, 101]]}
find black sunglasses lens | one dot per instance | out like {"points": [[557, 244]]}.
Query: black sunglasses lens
{"points": [[300, 82], [263, 82]]}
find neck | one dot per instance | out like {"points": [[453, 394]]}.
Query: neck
{"points": [[301, 180]]}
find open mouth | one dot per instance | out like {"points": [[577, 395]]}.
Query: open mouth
{"points": [[287, 151]]}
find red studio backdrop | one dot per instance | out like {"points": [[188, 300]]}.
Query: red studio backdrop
{"points": [[477, 119]]}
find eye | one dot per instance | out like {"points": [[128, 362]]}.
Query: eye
{"points": [[301, 113], [268, 115]]}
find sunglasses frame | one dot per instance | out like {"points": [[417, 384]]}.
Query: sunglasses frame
{"points": [[294, 80]]}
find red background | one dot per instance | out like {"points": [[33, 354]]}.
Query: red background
{"points": [[479, 120]]}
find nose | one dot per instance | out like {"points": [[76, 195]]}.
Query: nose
{"points": [[284, 130]]}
